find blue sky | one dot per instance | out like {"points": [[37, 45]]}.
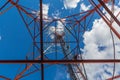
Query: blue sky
{"points": [[16, 42]]}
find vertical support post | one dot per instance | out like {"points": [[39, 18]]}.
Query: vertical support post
{"points": [[41, 41]]}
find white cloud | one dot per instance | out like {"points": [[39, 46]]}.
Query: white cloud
{"points": [[56, 31], [119, 3], [98, 45], [56, 14], [84, 7], [69, 4], [0, 37], [45, 12]]}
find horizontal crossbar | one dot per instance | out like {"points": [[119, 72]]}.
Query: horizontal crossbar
{"points": [[60, 61]]}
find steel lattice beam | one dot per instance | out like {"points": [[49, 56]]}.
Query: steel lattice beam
{"points": [[60, 61], [41, 50]]}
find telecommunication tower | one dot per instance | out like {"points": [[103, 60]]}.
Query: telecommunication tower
{"points": [[58, 40]]}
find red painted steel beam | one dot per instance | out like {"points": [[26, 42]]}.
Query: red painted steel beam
{"points": [[3, 77], [115, 77], [41, 39], [19, 7], [92, 11], [59, 61], [110, 13], [105, 19], [4, 5]]}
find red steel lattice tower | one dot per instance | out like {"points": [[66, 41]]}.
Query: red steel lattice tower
{"points": [[64, 44]]}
